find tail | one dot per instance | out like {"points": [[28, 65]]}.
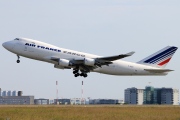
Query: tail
{"points": [[161, 58]]}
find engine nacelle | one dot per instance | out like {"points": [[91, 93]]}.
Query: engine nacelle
{"points": [[64, 62], [89, 61], [58, 66]]}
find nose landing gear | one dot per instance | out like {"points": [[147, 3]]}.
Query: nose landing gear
{"points": [[18, 61]]}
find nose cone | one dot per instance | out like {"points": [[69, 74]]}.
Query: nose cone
{"points": [[8, 45], [4, 44]]}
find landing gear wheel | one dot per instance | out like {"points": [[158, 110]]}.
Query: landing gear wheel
{"points": [[82, 74], [85, 75], [76, 71], [76, 75], [18, 61]]}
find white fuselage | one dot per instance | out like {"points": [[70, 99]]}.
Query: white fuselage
{"points": [[39, 52]]}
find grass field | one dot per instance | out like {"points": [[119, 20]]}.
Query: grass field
{"points": [[89, 112]]}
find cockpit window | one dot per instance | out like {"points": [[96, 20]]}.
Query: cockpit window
{"points": [[16, 39]]}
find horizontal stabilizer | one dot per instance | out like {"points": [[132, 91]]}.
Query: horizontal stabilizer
{"points": [[158, 70]]}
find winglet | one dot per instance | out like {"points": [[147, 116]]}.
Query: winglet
{"points": [[130, 53]]}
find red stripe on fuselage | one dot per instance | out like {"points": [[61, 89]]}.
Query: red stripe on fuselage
{"points": [[164, 62]]}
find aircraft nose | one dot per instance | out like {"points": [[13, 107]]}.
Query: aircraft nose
{"points": [[4, 44], [7, 45]]}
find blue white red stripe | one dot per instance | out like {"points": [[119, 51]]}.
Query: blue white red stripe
{"points": [[163, 57]]}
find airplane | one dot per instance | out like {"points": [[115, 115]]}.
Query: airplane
{"points": [[83, 63]]}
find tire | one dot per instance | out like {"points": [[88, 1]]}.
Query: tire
{"points": [[18, 61], [82, 74], [85, 75]]}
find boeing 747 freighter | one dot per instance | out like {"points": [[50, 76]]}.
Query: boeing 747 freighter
{"points": [[83, 63]]}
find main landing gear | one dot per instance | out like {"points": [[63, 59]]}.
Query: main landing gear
{"points": [[76, 73], [18, 61]]}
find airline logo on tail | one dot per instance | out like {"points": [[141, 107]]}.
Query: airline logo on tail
{"points": [[160, 58]]}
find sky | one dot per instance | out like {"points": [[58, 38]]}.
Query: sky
{"points": [[101, 27]]}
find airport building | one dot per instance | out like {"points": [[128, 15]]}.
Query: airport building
{"points": [[169, 96], [151, 95], [148, 95], [62, 101], [4, 93], [157, 96], [133, 96], [16, 100], [51, 101], [14, 93], [105, 101], [72, 101], [78, 101], [41, 101], [8, 93], [11, 98]]}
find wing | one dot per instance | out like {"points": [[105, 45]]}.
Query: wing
{"points": [[116, 57], [108, 60], [96, 62], [104, 60]]}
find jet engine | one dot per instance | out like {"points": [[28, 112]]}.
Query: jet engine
{"points": [[64, 62], [89, 61]]}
